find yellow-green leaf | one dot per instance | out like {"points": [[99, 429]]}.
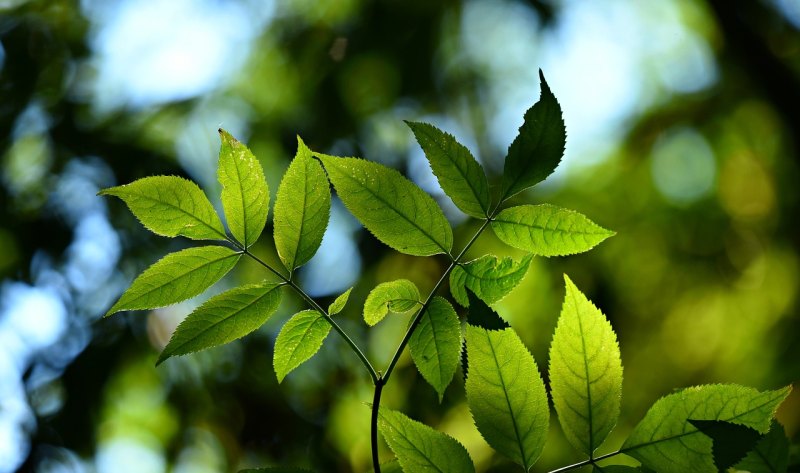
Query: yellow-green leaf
{"points": [[300, 338], [338, 304], [400, 296], [488, 277]]}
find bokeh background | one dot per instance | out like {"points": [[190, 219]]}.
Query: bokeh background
{"points": [[682, 118]]}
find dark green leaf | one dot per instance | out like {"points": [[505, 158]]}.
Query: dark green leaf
{"points": [[394, 209], [224, 318], [171, 206], [770, 455], [488, 277], [177, 277], [537, 150], [302, 209], [459, 174], [481, 315], [730, 442], [245, 194], [436, 344]]}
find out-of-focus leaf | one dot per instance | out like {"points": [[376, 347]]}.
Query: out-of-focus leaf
{"points": [[436, 344], [245, 194], [401, 295], [488, 277], [302, 209], [460, 175], [300, 339], [224, 318], [394, 209], [171, 206], [177, 277], [547, 230]]}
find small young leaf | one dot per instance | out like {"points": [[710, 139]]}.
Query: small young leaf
{"points": [[245, 194], [667, 442], [171, 206], [730, 442], [224, 318], [547, 230], [302, 209], [481, 315], [537, 150], [585, 372], [300, 339], [420, 448], [436, 344], [490, 278], [394, 209], [338, 304], [177, 277], [506, 395], [460, 175], [770, 455], [400, 296]]}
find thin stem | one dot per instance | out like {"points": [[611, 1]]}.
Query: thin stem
{"points": [[287, 280], [591, 461], [376, 402]]}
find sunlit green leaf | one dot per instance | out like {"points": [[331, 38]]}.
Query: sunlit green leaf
{"points": [[177, 277], [730, 442], [224, 318], [585, 372], [394, 209], [400, 296], [421, 449], [300, 338], [459, 174], [338, 304], [436, 344], [245, 194], [547, 230], [667, 442], [506, 395], [488, 277], [770, 455], [171, 206], [302, 209], [537, 150]]}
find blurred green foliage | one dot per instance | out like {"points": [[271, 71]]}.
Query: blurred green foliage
{"points": [[701, 187]]}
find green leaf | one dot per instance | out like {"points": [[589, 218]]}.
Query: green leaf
{"points": [[585, 372], [547, 230], [300, 339], [224, 318], [391, 466], [420, 448], [171, 206], [667, 442], [506, 395], [730, 442], [436, 344], [617, 469], [394, 209], [537, 150], [245, 194], [400, 296], [302, 209], [770, 455], [488, 277], [177, 277], [459, 174], [481, 315], [338, 304]]}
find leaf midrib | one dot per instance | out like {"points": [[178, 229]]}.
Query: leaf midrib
{"points": [[194, 217]]}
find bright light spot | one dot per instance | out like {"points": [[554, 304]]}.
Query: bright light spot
{"points": [[337, 264], [124, 455], [14, 446], [36, 315], [683, 166], [156, 51], [790, 9], [93, 253]]}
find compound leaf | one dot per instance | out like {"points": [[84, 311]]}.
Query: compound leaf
{"points": [[171, 206], [300, 338], [506, 395], [420, 448], [177, 277], [537, 150], [488, 277], [394, 209], [338, 304], [436, 344], [302, 209], [770, 455], [547, 230], [666, 441], [245, 194], [224, 318], [585, 372], [460, 175], [400, 295]]}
